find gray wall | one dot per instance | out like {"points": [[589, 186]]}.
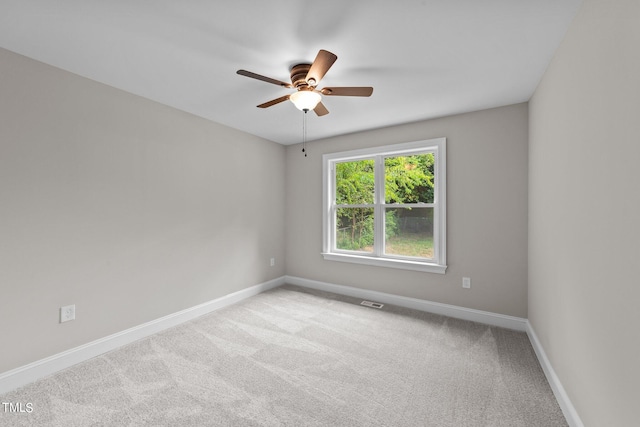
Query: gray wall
{"points": [[129, 209], [486, 212], [584, 212]]}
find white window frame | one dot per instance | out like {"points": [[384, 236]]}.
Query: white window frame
{"points": [[438, 263]]}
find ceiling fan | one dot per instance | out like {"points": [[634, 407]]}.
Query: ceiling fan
{"points": [[304, 79]]}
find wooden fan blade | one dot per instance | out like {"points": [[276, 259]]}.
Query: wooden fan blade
{"points": [[347, 91], [324, 60], [274, 101], [320, 109], [263, 78]]}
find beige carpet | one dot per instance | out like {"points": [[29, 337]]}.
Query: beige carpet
{"points": [[296, 357]]}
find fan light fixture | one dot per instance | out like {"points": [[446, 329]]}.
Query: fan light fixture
{"points": [[305, 99]]}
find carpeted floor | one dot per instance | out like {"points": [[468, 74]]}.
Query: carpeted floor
{"points": [[297, 357]]}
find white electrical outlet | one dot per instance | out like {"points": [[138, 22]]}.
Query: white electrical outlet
{"points": [[466, 282], [272, 262], [68, 312]]}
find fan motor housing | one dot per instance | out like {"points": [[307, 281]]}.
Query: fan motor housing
{"points": [[299, 75]]}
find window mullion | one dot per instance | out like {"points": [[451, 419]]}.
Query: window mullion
{"points": [[378, 246], [331, 234]]}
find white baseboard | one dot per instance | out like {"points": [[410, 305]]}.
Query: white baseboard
{"points": [[485, 317], [23, 375], [569, 411]]}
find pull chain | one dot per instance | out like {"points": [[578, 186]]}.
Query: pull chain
{"points": [[304, 132]]}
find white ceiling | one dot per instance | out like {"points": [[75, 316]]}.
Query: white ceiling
{"points": [[425, 59]]}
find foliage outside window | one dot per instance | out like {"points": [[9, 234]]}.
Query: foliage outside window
{"points": [[386, 206]]}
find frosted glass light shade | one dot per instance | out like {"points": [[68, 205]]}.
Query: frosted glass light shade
{"points": [[305, 99]]}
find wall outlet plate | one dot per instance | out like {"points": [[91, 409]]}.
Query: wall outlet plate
{"points": [[67, 313], [466, 282]]}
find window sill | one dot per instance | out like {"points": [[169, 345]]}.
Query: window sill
{"points": [[387, 262]]}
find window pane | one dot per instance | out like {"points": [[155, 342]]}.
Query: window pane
{"points": [[354, 229], [355, 182], [409, 232], [409, 179]]}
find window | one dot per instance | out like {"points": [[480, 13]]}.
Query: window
{"points": [[386, 206]]}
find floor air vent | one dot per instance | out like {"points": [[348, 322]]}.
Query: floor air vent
{"points": [[372, 304]]}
